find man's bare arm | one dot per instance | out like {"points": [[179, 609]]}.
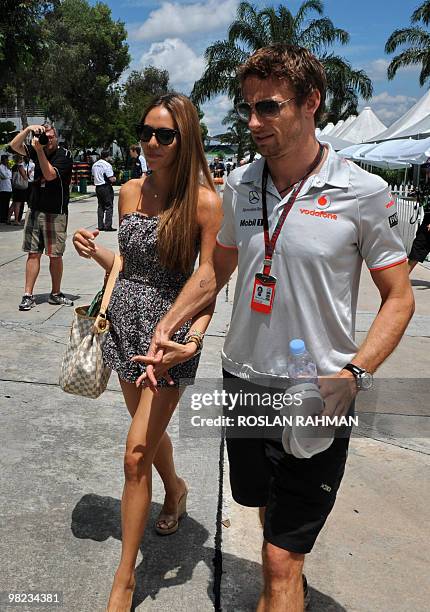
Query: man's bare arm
{"points": [[397, 308], [201, 289], [17, 144]]}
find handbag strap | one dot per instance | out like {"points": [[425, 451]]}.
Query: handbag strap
{"points": [[113, 275], [100, 324]]}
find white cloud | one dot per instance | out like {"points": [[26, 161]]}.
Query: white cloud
{"points": [[173, 19], [183, 64], [214, 112], [377, 70], [390, 107]]}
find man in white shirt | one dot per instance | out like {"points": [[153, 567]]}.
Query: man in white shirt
{"points": [[308, 266], [5, 188], [143, 163], [103, 177]]}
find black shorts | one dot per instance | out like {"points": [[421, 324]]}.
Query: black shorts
{"points": [[298, 494], [421, 245]]}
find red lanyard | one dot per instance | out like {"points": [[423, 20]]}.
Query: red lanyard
{"points": [[270, 243]]}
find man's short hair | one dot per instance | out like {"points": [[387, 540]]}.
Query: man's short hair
{"points": [[294, 64], [48, 126], [135, 149], [4, 158], [104, 154]]}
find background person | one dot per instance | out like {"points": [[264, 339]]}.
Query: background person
{"points": [[165, 219], [135, 163], [143, 163], [29, 170], [104, 178], [5, 188], [45, 228], [19, 189]]}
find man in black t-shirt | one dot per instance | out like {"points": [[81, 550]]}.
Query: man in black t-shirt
{"points": [[46, 220]]}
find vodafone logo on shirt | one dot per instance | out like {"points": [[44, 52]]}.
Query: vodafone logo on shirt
{"points": [[318, 213], [323, 202]]}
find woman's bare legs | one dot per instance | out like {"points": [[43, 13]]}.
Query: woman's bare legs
{"points": [[174, 486], [149, 423]]}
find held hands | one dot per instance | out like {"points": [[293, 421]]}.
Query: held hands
{"points": [[83, 241], [338, 393], [158, 363]]}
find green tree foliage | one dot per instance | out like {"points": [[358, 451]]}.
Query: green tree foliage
{"points": [[416, 43], [22, 49], [87, 54], [131, 100], [140, 88], [237, 134], [255, 28]]}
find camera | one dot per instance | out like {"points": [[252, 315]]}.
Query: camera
{"points": [[42, 137]]}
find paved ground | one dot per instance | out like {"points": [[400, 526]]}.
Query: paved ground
{"points": [[61, 479]]}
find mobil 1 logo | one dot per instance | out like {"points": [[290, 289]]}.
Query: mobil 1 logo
{"points": [[393, 220]]}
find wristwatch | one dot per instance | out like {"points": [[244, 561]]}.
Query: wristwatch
{"points": [[363, 379]]}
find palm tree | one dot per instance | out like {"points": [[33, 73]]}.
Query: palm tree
{"points": [[239, 135], [419, 40], [255, 28]]}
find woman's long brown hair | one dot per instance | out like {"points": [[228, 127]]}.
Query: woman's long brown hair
{"points": [[178, 229]]}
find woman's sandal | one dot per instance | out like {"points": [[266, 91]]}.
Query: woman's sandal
{"points": [[171, 521]]}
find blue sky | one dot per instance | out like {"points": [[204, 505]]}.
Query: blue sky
{"points": [[173, 34]]}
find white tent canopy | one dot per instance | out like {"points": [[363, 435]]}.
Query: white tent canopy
{"points": [[345, 125], [422, 128], [374, 155], [337, 127], [336, 143], [412, 151], [328, 128], [364, 128], [353, 151], [377, 154], [403, 126]]}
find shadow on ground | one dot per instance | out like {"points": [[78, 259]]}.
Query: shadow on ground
{"points": [[42, 298], [416, 282], [170, 561], [4, 227]]}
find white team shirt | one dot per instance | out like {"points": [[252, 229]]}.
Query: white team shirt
{"points": [[143, 163], [342, 216], [29, 168], [99, 168]]}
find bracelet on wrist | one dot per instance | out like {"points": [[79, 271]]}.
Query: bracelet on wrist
{"points": [[194, 340], [196, 332]]}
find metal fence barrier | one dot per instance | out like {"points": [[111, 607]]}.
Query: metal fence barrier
{"points": [[410, 216]]}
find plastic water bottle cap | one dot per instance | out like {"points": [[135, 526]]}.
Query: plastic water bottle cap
{"points": [[297, 346]]}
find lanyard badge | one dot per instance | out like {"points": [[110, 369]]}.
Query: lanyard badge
{"points": [[263, 292]]}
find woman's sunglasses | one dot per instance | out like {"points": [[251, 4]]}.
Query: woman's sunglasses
{"points": [[164, 136], [264, 108]]}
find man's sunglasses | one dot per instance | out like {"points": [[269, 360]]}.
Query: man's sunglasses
{"points": [[164, 136], [264, 108]]}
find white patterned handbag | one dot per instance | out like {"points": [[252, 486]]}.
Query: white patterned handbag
{"points": [[82, 370]]}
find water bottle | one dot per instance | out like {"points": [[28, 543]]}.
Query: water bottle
{"points": [[304, 441], [301, 366]]}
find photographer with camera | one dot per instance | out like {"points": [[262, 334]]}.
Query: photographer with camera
{"points": [[45, 226]]}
